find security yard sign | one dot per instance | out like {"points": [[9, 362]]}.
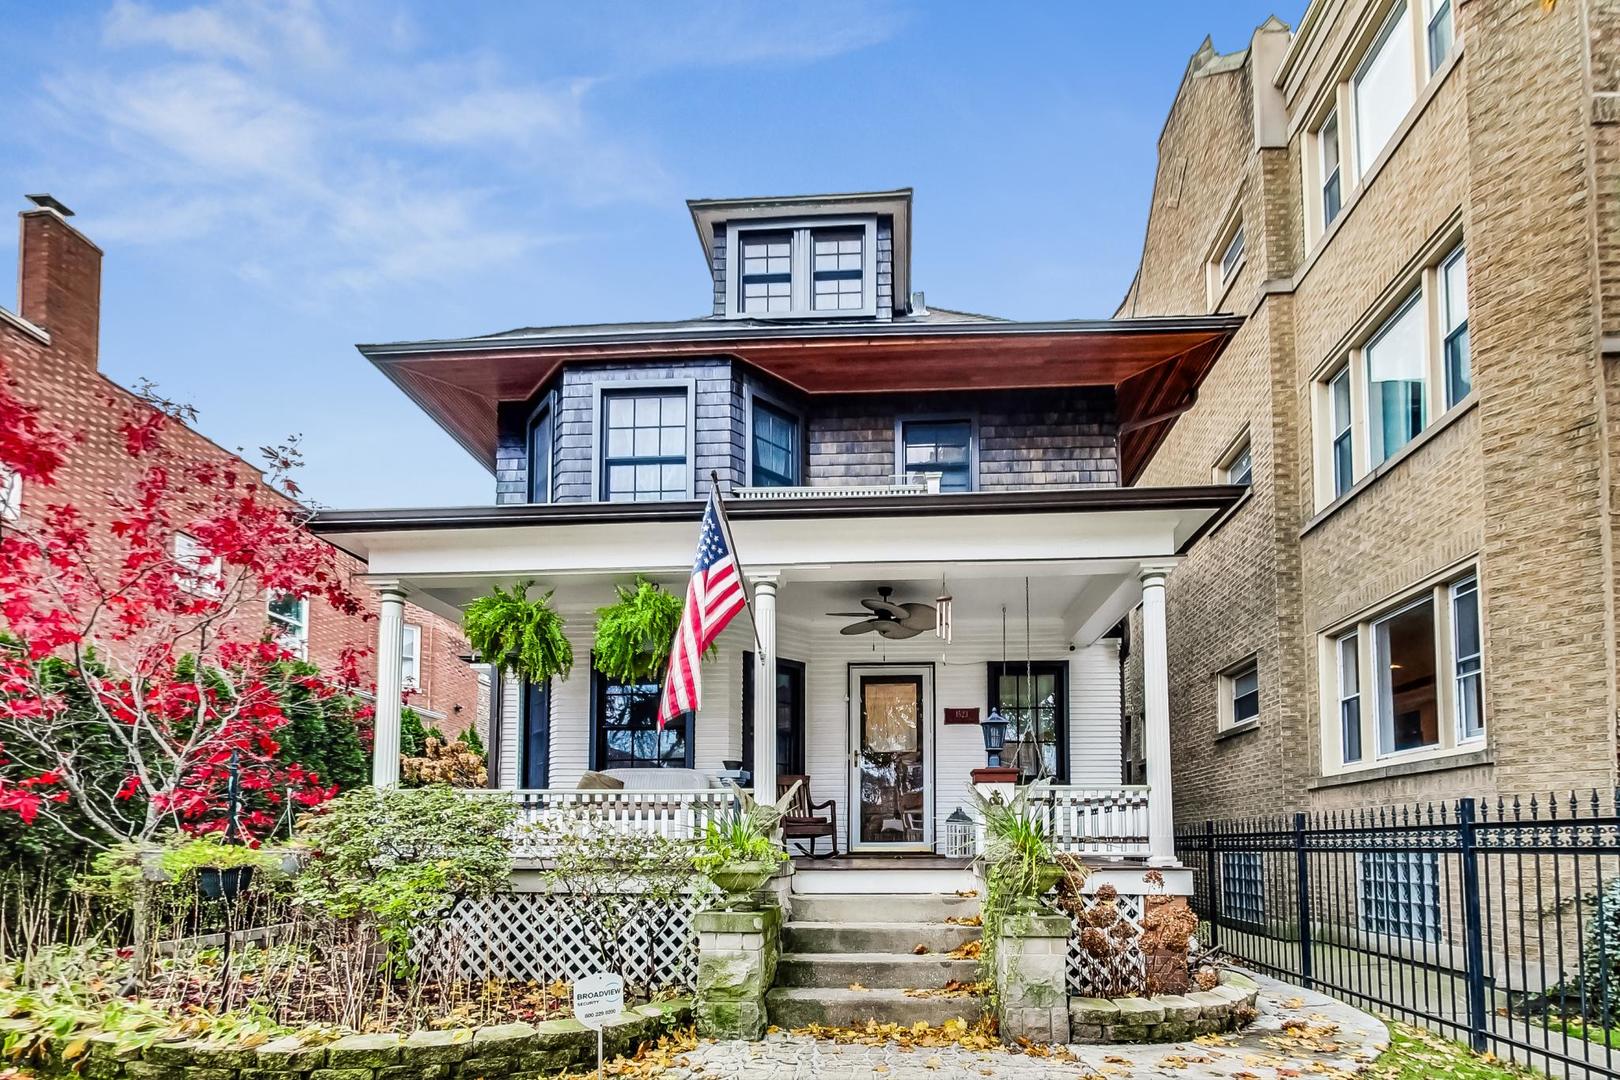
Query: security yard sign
{"points": [[597, 999]]}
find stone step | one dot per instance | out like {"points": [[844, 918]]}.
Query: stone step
{"points": [[867, 908], [796, 1007], [875, 970], [869, 937]]}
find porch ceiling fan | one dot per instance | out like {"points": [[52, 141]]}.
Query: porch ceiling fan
{"points": [[891, 620]]}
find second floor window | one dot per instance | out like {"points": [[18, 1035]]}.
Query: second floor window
{"points": [[1395, 381], [11, 493], [939, 447], [1232, 257], [776, 447], [289, 619], [1239, 467], [1332, 191], [1383, 88], [1240, 695], [803, 269], [1454, 325], [201, 571], [644, 446], [1439, 33], [540, 440]]}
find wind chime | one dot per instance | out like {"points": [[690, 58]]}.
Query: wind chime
{"points": [[942, 613]]}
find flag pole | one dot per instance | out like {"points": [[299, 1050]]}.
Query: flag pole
{"points": [[742, 578]]}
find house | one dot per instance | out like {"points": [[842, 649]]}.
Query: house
{"points": [[875, 455], [50, 348], [1411, 204]]}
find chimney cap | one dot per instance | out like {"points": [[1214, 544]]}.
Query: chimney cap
{"points": [[49, 202]]}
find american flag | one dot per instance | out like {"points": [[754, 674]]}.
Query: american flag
{"points": [[713, 598]]}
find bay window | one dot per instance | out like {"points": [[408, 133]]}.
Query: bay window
{"points": [[646, 445], [1421, 661], [1374, 400]]}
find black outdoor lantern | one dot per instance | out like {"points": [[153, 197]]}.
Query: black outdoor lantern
{"points": [[994, 728]]}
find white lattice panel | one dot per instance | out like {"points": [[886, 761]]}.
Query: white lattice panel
{"points": [[542, 936], [1125, 971]]}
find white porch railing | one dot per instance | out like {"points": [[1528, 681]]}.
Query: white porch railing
{"points": [[678, 814], [910, 485], [1109, 822]]}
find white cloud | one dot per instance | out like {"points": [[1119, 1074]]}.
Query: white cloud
{"points": [[503, 115], [247, 32]]}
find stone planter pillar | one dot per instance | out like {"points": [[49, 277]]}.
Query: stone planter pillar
{"points": [[737, 953], [1032, 983]]}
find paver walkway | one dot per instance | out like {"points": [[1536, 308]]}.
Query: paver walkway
{"points": [[1299, 1033]]}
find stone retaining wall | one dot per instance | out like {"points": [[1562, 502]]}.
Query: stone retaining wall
{"points": [[1165, 1017], [487, 1053]]}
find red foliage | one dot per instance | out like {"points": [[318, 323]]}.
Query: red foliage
{"points": [[172, 651]]}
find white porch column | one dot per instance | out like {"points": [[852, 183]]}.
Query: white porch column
{"points": [[765, 690], [1156, 717], [390, 684]]}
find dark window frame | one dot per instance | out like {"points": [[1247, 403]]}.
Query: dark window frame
{"points": [[796, 454], [534, 742], [543, 414], [972, 465], [796, 758], [602, 393], [598, 739], [994, 669]]}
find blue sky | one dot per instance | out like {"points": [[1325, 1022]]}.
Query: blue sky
{"points": [[274, 182]]}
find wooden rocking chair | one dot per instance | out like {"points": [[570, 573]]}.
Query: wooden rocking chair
{"points": [[802, 820]]}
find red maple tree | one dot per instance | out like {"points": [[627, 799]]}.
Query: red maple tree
{"points": [[138, 668]]}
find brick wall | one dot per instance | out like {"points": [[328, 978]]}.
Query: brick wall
{"points": [[51, 355]]}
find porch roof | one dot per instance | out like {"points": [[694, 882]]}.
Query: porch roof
{"points": [[1153, 364], [1094, 538]]}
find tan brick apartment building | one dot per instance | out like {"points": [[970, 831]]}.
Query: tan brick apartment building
{"points": [[1414, 206], [50, 348]]}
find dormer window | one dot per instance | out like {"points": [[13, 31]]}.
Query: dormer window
{"points": [[803, 269]]}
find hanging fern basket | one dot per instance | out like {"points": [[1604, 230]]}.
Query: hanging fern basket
{"points": [[634, 635], [520, 636]]}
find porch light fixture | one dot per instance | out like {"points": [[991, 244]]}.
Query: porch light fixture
{"points": [[994, 728]]}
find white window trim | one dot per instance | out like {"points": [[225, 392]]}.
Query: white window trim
{"points": [[11, 495], [1218, 279], [1438, 591], [1222, 471], [297, 630], [411, 660], [803, 295], [1423, 287], [198, 572], [1226, 682]]}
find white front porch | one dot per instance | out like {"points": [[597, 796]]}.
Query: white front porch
{"points": [[1082, 567]]}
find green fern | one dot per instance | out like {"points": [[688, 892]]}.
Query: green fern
{"points": [[520, 636], [634, 636]]}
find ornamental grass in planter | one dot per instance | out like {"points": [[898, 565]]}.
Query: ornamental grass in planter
{"points": [[739, 854]]}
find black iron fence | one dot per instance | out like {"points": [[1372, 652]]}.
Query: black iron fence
{"points": [[1493, 922]]}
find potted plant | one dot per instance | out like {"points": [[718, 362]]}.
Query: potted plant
{"points": [[739, 855], [634, 635], [224, 870], [520, 636], [1020, 863]]}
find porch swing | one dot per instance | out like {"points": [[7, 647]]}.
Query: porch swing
{"points": [[1022, 750]]}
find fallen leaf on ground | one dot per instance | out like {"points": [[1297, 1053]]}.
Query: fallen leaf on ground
{"points": [[920, 950]]}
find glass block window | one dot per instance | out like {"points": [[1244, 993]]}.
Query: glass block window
{"points": [[1243, 886], [776, 447], [644, 441], [627, 735], [1400, 894], [1454, 325], [289, 621], [836, 269], [767, 272], [944, 447]]}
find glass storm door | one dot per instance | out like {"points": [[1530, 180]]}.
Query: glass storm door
{"points": [[891, 723]]}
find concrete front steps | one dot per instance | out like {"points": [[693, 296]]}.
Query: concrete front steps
{"points": [[834, 941]]}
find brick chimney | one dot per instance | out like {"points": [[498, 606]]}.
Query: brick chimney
{"points": [[60, 279]]}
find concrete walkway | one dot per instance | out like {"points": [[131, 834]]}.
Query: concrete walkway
{"points": [[1299, 1033]]}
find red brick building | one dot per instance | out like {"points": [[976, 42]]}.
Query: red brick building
{"points": [[50, 349]]}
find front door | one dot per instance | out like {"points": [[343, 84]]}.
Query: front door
{"points": [[891, 764]]}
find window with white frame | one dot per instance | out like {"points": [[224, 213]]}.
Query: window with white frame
{"points": [[1400, 893], [786, 269], [1238, 465], [1232, 256], [1375, 400], [1408, 679], [1327, 145], [1243, 886], [289, 619], [1454, 326], [200, 571], [1438, 33], [645, 444], [11, 495], [1240, 695], [410, 657], [1225, 258], [1383, 88]]}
